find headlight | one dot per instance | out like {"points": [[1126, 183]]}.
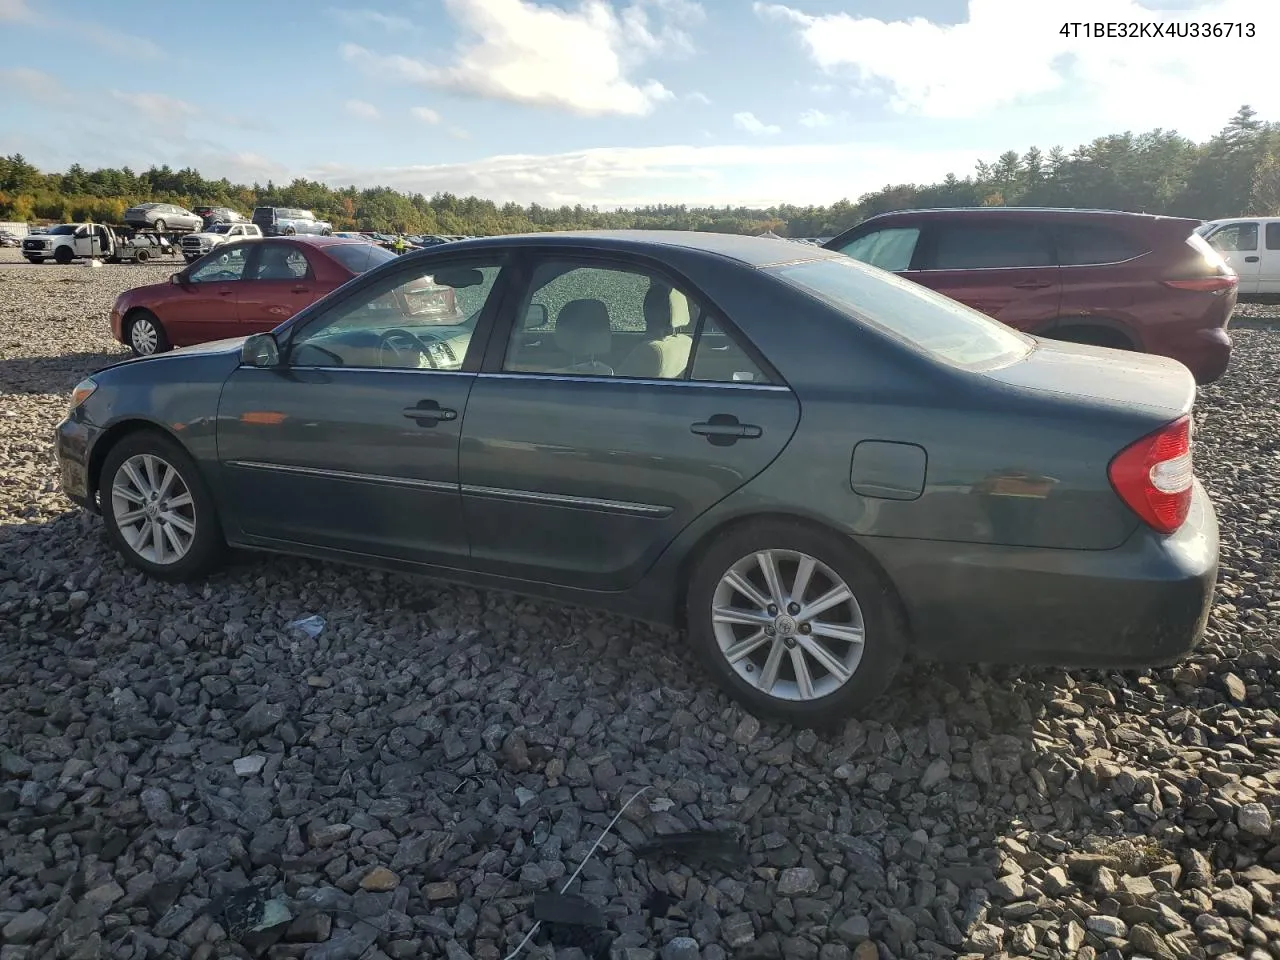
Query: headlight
{"points": [[82, 392]]}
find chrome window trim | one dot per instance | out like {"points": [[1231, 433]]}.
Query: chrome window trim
{"points": [[569, 378]]}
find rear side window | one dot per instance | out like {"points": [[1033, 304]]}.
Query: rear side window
{"points": [[359, 257], [889, 249], [1086, 243], [977, 246], [930, 322], [1236, 236], [1273, 236]]}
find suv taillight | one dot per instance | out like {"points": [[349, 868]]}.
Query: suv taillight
{"points": [[1205, 284], [1154, 476]]}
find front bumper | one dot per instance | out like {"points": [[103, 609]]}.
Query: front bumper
{"points": [[1144, 603], [73, 447]]}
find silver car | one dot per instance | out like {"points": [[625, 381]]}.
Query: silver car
{"points": [[162, 216]]}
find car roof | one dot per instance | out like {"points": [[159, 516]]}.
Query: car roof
{"points": [[752, 251], [311, 241], [1064, 212]]}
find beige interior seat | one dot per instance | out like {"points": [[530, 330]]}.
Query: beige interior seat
{"points": [[664, 353], [582, 331]]}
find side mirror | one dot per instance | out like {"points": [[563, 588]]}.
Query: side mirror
{"points": [[536, 315], [176, 279], [260, 350]]}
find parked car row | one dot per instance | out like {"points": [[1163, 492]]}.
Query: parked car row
{"points": [[622, 419]]}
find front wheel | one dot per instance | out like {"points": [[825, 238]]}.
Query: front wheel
{"points": [[290, 231], [143, 256], [793, 623], [146, 335], [326, 233], [63, 255], [157, 510]]}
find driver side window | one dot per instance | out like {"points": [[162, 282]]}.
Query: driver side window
{"points": [[227, 265], [422, 321]]}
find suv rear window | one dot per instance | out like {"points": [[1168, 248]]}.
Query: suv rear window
{"points": [[932, 323], [974, 245], [889, 249], [1085, 243]]}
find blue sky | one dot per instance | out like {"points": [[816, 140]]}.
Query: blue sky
{"points": [[608, 102]]}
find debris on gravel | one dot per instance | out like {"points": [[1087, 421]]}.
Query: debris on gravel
{"points": [[406, 782]]}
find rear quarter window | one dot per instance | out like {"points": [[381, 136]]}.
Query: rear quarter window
{"points": [[931, 323], [1086, 243]]}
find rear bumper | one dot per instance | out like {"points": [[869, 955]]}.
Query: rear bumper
{"points": [[1206, 353], [1142, 604]]}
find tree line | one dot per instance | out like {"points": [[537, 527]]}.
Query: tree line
{"points": [[1237, 172]]}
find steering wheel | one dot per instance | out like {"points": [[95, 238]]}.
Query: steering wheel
{"points": [[401, 343]]}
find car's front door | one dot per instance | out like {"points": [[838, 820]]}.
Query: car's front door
{"points": [[203, 305], [1238, 243], [279, 282], [351, 444], [1269, 266], [1004, 267], [575, 473]]}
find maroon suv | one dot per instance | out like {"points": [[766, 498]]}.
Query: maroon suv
{"points": [[1127, 280]]}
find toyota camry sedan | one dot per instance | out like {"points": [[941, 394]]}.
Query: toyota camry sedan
{"points": [[811, 466]]}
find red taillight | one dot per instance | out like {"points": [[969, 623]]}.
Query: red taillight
{"points": [[1154, 476], [1205, 284]]}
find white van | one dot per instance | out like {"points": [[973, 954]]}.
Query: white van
{"points": [[1251, 245]]}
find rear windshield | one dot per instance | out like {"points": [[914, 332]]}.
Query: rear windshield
{"points": [[264, 213], [359, 257], [932, 323]]}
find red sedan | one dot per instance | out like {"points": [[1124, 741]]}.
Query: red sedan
{"points": [[238, 289]]}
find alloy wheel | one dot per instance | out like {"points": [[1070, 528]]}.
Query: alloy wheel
{"points": [[788, 624], [144, 337], [153, 509]]}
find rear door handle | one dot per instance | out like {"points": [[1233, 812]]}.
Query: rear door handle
{"points": [[1250, 259], [723, 430], [301, 289], [1032, 284], [428, 413]]}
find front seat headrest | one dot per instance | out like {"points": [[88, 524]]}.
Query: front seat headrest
{"points": [[582, 329]]}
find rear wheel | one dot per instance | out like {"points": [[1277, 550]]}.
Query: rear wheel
{"points": [[35, 259], [63, 255], [157, 509], [793, 623], [143, 256], [160, 226], [146, 335], [289, 231]]}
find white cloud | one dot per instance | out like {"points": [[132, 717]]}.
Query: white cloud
{"points": [[425, 114], [15, 10], [752, 174], [583, 59], [752, 124], [158, 106], [103, 38], [33, 84], [375, 18], [816, 118], [458, 133], [361, 110], [696, 97], [1007, 52]]}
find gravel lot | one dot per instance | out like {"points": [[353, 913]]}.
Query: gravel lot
{"points": [[405, 783]]}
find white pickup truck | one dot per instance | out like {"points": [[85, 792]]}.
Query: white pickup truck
{"points": [[196, 245], [69, 241]]}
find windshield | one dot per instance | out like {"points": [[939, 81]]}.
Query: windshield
{"points": [[359, 257], [932, 323], [219, 228], [63, 230]]}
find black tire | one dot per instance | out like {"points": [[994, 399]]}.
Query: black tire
{"points": [[63, 255], [1093, 337], [290, 231], [207, 547], [142, 255], [326, 233], [161, 339], [160, 226], [35, 259], [883, 644]]}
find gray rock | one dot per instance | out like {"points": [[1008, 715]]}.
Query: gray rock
{"points": [[681, 948], [1106, 926], [737, 930], [853, 930], [1254, 818], [25, 927], [796, 881]]}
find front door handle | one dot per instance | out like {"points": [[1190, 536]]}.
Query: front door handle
{"points": [[225, 292], [301, 289], [1250, 259], [1032, 284], [723, 430], [428, 413]]}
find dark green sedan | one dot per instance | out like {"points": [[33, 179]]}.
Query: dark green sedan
{"points": [[810, 465]]}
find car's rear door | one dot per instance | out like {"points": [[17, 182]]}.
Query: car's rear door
{"points": [[1004, 266], [1269, 266], [279, 282], [573, 475]]}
